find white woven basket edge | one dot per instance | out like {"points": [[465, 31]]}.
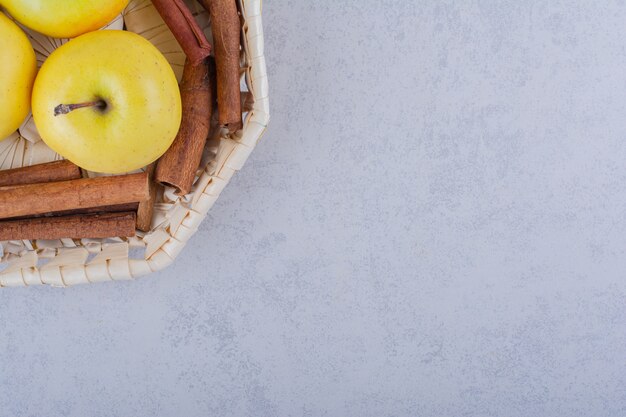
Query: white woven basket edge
{"points": [[71, 266]]}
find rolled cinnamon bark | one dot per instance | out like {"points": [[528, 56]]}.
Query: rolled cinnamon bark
{"points": [[226, 30], [178, 166], [117, 208], [146, 208], [34, 199], [74, 227], [185, 29], [48, 172]]}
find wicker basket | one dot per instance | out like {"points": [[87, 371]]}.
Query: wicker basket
{"points": [[68, 262]]}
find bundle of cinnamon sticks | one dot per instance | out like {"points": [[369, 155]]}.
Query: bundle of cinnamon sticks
{"points": [[53, 201], [202, 76]]}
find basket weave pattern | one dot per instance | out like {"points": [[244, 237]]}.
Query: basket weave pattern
{"points": [[68, 262]]}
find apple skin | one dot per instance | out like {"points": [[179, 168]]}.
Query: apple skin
{"points": [[64, 19], [18, 67], [143, 105]]}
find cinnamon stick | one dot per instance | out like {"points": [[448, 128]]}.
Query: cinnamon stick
{"points": [[185, 29], [146, 208], [226, 30], [48, 172], [178, 166], [33, 199], [116, 208], [74, 227]]}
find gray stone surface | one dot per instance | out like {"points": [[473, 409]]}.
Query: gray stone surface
{"points": [[434, 225]]}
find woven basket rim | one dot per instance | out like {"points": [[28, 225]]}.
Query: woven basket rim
{"points": [[110, 260]]}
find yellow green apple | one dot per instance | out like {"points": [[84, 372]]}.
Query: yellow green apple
{"points": [[18, 67], [107, 101], [64, 18]]}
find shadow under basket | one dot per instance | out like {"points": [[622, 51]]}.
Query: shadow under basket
{"points": [[66, 262]]}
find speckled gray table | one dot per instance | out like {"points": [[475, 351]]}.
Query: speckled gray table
{"points": [[434, 225]]}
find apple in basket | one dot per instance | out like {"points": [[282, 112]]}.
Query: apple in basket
{"points": [[63, 18], [18, 67], [107, 101]]}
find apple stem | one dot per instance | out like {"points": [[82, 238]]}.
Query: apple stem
{"points": [[66, 108]]}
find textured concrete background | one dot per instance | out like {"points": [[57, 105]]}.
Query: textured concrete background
{"points": [[434, 225]]}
